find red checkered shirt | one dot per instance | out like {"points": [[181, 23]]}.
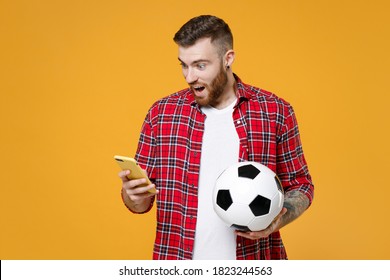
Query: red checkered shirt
{"points": [[170, 149]]}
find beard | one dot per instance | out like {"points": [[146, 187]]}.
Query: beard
{"points": [[215, 89]]}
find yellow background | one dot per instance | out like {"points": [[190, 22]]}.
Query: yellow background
{"points": [[76, 80]]}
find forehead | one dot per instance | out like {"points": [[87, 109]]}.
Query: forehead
{"points": [[203, 49]]}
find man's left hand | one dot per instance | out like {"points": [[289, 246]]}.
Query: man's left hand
{"points": [[274, 226]]}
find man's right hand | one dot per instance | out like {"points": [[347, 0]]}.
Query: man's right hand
{"points": [[136, 198]]}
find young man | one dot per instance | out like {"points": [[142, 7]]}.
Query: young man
{"points": [[190, 137]]}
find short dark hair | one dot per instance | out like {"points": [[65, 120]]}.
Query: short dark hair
{"points": [[205, 26]]}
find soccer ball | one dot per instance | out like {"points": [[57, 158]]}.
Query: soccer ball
{"points": [[248, 196]]}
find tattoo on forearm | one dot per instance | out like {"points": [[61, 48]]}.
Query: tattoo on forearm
{"points": [[296, 203]]}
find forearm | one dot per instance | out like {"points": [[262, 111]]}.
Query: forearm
{"points": [[296, 203]]}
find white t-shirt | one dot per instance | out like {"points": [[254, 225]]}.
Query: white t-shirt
{"points": [[220, 147]]}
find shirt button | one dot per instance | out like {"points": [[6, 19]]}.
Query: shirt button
{"points": [[238, 122], [195, 153], [239, 244]]}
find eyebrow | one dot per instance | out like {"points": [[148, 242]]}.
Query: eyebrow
{"points": [[194, 62]]}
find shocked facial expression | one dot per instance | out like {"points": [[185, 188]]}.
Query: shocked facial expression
{"points": [[204, 72]]}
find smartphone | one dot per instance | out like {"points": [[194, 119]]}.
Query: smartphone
{"points": [[136, 172]]}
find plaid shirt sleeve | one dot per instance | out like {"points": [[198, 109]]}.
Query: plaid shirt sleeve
{"points": [[269, 135], [291, 164], [145, 154], [146, 150]]}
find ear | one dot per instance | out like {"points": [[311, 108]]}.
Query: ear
{"points": [[229, 58]]}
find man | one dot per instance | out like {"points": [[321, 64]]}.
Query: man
{"points": [[190, 137]]}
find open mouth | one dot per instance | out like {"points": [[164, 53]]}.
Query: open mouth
{"points": [[198, 89]]}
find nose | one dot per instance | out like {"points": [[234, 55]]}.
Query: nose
{"points": [[190, 75]]}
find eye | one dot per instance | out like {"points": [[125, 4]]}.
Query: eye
{"points": [[183, 65], [201, 66]]}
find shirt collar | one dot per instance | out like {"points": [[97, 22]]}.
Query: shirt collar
{"points": [[241, 90]]}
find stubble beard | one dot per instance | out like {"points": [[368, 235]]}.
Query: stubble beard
{"points": [[215, 89]]}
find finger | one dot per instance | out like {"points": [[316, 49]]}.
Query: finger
{"points": [[281, 213], [258, 234], [130, 190], [284, 211], [123, 175], [135, 183], [141, 193], [140, 196], [253, 235], [279, 216]]}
